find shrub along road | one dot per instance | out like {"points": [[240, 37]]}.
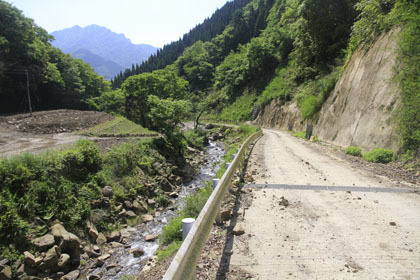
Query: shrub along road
{"points": [[323, 233]]}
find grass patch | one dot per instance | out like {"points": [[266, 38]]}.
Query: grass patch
{"points": [[119, 126], [379, 155], [299, 134], [240, 110], [168, 251], [281, 87], [354, 151]]}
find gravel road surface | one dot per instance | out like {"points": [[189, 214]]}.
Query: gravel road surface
{"points": [[317, 232]]}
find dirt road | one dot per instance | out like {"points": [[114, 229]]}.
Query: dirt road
{"points": [[309, 229]]}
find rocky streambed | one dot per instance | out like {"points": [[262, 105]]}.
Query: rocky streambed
{"points": [[133, 248]]}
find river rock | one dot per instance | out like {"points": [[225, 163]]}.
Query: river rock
{"points": [[101, 239], [174, 194], [98, 216], [93, 232], [143, 204], [165, 185], [64, 262], [29, 259], [101, 260], [113, 236], [114, 244], [128, 204], [93, 277], [130, 214], [137, 253], [91, 252], [151, 202], [107, 191], [68, 242], [6, 273], [147, 218], [71, 275], [238, 230], [44, 243], [51, 258], [151, 237], [137, 207]]}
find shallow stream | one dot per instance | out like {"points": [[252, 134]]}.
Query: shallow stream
{"points": [[122, 262]]}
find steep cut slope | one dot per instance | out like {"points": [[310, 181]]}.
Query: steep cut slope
{"points": [[360, 110]]}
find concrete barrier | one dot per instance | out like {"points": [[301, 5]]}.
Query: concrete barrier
{"points": [[185, 261]]}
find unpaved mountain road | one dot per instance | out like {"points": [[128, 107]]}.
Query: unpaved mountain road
{"points": [[323, 232]]}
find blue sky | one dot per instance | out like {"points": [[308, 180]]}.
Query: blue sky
{"points": [[155, 22]]}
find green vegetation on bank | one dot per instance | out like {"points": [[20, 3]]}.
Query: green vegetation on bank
{"points": [[171, 237], [119, 126], [354, 151], [379, 155], [36, 190]]}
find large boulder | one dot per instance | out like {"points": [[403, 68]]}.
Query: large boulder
{"points": [[5, 273], [51, 258], [44, 243], [113, 236], [68, 242], [98, 216]]}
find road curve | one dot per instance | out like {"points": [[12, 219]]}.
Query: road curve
{"points": [[323, 234]]}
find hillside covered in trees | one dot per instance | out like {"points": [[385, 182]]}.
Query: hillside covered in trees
{"points": [[56, 80], [287, 50], [248, 53]]}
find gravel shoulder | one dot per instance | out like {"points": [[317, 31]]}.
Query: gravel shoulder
{"points": [[307, 234]]}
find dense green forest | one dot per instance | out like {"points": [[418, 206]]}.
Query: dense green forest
{"points": [[248, 53], [294, 50], [56, 80], [205, 31]]}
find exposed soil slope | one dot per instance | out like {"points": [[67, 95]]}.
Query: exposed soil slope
{"points": [[363, 107], [46, 129]]}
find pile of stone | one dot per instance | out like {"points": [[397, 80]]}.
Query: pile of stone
{"points": [[58, 254]]}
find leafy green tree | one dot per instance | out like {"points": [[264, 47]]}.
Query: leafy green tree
{"points": [[166, 115], [161, 83], [195, 65]]}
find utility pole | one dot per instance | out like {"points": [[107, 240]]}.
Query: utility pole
{"points": [[29, 95]]}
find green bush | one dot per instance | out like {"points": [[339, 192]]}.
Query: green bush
{"points": [[194, 203], [196, 138], [379, 155], [354, 151], [80, 162], [171, 232]]}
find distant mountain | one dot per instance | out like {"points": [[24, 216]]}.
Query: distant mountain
{"points": [[107, 52]]}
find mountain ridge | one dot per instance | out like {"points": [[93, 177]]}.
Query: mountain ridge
{"points": [[103, 42]]}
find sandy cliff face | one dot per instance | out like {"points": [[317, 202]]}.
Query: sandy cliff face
{"points": [[362, 108]]}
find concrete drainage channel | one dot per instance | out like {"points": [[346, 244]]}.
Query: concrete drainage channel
{"points": [[185, 261]]}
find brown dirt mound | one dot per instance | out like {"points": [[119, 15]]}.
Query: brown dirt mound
{"points": [[57, 121]]}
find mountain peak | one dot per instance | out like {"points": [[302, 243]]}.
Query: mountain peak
{"points": [[101, 41]]}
